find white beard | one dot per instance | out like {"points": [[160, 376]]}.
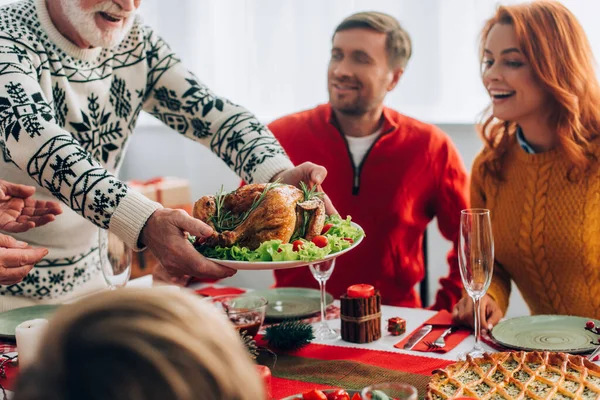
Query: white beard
{"points": [[84, 22]]}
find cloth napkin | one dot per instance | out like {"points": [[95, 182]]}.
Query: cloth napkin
{"points": [[440, 321], [218, 291]]}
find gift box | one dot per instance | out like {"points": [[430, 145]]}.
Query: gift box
{"points": [[171, 192], [396, 326]]}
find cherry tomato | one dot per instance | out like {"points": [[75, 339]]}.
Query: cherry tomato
{"points": [[297, 245], [590, 325], [314, 395], [339, 394], [361, 291], [326, 227], [349, 240], [320, 241], [356, 397]]}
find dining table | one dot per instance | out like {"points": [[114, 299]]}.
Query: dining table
{"points": [[351, 366]]}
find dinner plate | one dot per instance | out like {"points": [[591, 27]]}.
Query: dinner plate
{"points": [[10, 319], [258, 265], [299, 395], [291, 302], [563, 333]]}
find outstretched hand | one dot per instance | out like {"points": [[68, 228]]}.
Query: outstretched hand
{"points": [[19, 211], [491, 313], [312, 175], [17, 259], [164, 234]]}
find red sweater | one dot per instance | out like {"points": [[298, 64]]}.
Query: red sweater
{"points": [[411, 174]]}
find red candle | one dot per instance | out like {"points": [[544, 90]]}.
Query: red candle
{"points": [[361, 291], [265, 374]]}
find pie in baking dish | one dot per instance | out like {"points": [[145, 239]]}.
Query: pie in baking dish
{"points": [[518, 375]]}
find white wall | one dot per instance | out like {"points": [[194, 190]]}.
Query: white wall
{"points": [[271, 55], [156, 150]]}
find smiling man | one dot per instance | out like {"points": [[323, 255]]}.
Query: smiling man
{"points": [[93, 23], [74, 76], [391, 173]]}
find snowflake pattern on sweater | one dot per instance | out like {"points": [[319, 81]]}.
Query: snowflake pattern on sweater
{"points": [[65, 119]]}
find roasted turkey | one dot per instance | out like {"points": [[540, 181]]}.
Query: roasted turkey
{"points": [[247, 217]]}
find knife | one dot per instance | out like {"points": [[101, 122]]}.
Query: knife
{"points": [[417, 336]]}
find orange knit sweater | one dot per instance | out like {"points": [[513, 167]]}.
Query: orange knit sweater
{"points": [[546, 232]]}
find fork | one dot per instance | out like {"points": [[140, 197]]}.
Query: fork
{"points": [[440, 342], [594, 354]]}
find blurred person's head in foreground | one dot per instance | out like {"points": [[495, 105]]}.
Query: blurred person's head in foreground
{"points": [[141, 345]]}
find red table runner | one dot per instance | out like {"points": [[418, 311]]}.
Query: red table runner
{"points": [[321, 367]]}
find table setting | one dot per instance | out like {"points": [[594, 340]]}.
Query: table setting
{"points": [[309, 345]]}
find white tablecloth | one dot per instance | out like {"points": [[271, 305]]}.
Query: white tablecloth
{"points": [[414, 318]]}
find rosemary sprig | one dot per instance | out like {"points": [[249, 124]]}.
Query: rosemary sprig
{"points": [[310, 193], [224, 220]]}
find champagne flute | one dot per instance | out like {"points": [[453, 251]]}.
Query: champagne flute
{"points": [[115, 259], [322, 271], [476, 261]]}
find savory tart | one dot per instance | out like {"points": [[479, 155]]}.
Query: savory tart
{"points": [[518, 375]]}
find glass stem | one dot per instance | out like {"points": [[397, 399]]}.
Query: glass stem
{"points": [[322, 289], [477, 319]]}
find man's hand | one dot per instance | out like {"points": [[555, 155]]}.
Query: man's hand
{"points": [[19, 212], [164, 236], [17, 259], [312, 175], [490, 312]]}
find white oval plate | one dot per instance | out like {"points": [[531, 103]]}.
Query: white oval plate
{"points": [[258, 265]]}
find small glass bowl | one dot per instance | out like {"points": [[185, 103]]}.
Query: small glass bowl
{"points": [[396, 391], [245, 311]]}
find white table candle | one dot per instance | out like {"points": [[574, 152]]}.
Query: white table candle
{"points": [[29, 337]]}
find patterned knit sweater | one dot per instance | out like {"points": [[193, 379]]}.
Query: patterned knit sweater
{"points": [[66, 115], [546, 232]]}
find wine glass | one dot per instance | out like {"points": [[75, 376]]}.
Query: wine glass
{"points": [[476, 261], [322, 271], [391, 390], [115, 259]]}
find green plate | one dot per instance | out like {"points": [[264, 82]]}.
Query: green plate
{"points": [[299, 395], [10, 319], [292, 302], [562, 333]]}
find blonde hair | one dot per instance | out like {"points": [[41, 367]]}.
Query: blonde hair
{"points": [[141, 345]]}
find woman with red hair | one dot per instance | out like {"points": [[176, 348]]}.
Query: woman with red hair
{"points": [[539, 171]]}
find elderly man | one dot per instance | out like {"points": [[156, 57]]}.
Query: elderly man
{"points": [[74, 76], [391, 173]]}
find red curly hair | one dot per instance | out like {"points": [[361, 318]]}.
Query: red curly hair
{"points": [[561, 59]]}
